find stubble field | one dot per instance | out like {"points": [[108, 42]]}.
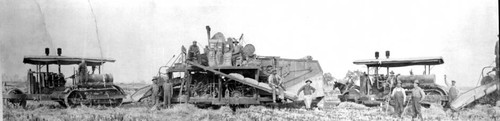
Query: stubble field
{"points": [[51, 111]]}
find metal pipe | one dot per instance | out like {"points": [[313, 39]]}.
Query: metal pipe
{"points": [[220, 89], [208, 32], [39, 78]]}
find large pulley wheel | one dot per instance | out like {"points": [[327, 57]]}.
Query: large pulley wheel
{"points": [[236, 94], [17, 102]]}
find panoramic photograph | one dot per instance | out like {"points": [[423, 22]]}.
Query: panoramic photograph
{"points": [[219, 60]]}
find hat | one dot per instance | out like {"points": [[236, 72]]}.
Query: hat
{"points": [[309, 81], [453, 81], [416, 81], [273, 71]]}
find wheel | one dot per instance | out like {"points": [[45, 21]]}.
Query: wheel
{"points": [[62, 103], [17, 102], [437, 92], [72, 99]]}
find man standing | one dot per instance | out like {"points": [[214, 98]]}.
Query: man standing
{"points": [[453, 91], [417, 96], [155, 92], [308, 91], [237, 51], [399, 97], [83, 72], [274, 81], [193, 52], [168, 92]]}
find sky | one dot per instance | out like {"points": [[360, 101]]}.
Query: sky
{"points": [[143, 35]]}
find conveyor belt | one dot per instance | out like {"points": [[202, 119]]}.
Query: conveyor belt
{"points": [[470, 96], [287, 95], [138, 95]]}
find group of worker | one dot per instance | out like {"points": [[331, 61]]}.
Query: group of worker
{"points": [[417, 96], [234, 52], [276, 83], [165, 84]]}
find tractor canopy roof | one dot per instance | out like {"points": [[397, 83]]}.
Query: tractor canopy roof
{"points": [[64, 60], [400, 62]]}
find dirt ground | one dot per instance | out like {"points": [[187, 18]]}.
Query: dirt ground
{"points": [[47, 110]]}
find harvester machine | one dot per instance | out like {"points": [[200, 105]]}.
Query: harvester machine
{"points": [[219, 77], [489, 90], [87, 88]]}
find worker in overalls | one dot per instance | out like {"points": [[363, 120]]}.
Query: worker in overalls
{"points": [[275, 82], [155, 95], [399, 96], [417, 97], [168, 92], [308, 93]]}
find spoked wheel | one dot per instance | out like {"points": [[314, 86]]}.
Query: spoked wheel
{"points": [[19, 101], [437, 92]]}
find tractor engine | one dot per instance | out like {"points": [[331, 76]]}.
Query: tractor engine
{"points": [[94, 80], [425, 80]]}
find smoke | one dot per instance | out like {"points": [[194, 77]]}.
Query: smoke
{"points": [[42, 17]]}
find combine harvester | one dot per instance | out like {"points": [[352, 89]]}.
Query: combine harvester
{"points": [[487, 89], [216, 78]]}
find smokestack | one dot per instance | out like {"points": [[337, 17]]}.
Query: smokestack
{"points": [[387, 54], [376, 55], [208, 32], [47, 51], [59, 51]]}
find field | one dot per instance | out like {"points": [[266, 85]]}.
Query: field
{"points": [[51, 111]]}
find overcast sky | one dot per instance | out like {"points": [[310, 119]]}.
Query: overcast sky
{"points": [[143, 35]]}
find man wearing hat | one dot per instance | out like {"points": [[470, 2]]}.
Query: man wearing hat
{"points": [[453, 91], [275, 81], [193, 52], [308, 91], [417, 96], [155, 89], [237, 51]]}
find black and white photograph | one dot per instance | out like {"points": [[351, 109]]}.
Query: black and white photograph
{"points": [[250, 60]]}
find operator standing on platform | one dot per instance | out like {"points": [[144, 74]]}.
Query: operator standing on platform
{"points": [[417, 96], [274, 81], [83, 72], [308, 91], [399, 97], [193, 52], [237, 51], [168, 92]]}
